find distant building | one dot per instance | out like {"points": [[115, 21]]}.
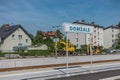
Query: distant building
{"points": [[51, 34], [79, 39], [12, 37], [110, 36]]}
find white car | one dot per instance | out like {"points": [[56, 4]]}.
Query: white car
{"points": [[111, 51]]}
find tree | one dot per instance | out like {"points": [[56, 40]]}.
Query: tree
{"points": [[49, 42], [38, 39], [58, 34]]}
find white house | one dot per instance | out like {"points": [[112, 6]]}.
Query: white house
{"points": [[13, 37], [96, 39], [110, 36]]}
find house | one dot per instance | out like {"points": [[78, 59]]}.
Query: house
{"points": [[79, 39], [110, 36], [53, 34], [13, 37]]}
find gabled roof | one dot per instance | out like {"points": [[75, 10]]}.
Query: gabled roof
{"points": [[6, 31]]}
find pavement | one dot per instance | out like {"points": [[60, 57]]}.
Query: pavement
{"points": [[59, 72]]}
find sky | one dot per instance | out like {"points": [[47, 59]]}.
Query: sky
{"points": [[42, 15]]}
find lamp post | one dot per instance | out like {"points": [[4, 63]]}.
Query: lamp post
{"points": [[91, 52], [56, 40]]}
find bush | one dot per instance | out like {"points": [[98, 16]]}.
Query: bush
{"points": [[1, 54], [30, 53], [38, 52]]}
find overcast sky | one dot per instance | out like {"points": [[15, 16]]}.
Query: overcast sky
{"points": [[36, 15]]}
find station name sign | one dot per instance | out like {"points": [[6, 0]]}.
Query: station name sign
{"points": [[77, 28]]}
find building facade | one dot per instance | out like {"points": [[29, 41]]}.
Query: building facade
{"points": [[110, 36], [13, 36], [96, 39]]}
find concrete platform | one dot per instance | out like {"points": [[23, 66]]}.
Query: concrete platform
{"points": [[11, 63]]}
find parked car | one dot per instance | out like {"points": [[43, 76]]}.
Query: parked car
{"points": [[111, 51], [118, 50]]}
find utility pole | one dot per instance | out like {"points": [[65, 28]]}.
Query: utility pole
{"points": [[56, 40]]}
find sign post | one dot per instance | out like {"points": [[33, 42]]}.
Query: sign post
{"points": [[91, 52], [56, 40], [76, 28], [67, 54]]}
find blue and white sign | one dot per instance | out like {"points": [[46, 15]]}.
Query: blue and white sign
{"points": [[77, 28]]}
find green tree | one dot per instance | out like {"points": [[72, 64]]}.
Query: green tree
{"points": [[49, 42], [58, 34], [83, 49], [38, 39]]}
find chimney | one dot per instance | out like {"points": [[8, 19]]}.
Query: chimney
{"points": [[83, 21], [92, 23], [7, 26], [77, 21]]}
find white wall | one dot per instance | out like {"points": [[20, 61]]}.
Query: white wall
{"points": [[42, 47], [86, 38], [98, 36], [109, 40], [10, 41], [77, 39]]}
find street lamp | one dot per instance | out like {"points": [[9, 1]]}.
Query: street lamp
{"points": [[56, 40]]}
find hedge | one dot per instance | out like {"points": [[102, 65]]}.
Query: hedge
{"points": [[29, 53]]}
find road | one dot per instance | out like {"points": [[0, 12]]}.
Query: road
{"points": [[59, 72]]}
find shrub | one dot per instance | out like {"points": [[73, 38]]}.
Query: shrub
{"points": [[30, 53]]}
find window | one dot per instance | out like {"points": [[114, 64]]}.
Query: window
{"points": [[19, 36], [20, 44], [13, 36], [112, 35], [98, 38], [94, 36], [77, 34], [112, 30], [76, 39], [26, 40], [112, 40]]}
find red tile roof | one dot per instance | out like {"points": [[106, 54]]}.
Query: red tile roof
{"points": [[49, 33]]}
